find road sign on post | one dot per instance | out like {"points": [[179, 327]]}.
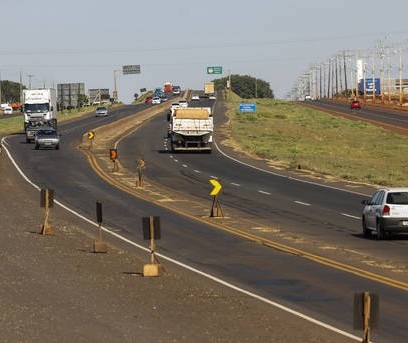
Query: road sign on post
{"points": [[98, 244], [247, 107], [214, 70], [131, 69]]}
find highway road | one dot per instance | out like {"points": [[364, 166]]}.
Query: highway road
{"points": [[310, 209]]}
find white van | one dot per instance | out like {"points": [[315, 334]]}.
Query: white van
{"points": [[8, 110]]}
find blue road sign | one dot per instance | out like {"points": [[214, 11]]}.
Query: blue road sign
{"points": [[247, 107]]}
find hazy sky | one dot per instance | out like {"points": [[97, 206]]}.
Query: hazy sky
{"points": [[85, 41]]}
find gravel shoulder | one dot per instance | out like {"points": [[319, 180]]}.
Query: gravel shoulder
{"points": [[53, 288]]}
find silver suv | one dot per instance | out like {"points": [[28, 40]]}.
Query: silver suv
{"points": [[386, 212]]}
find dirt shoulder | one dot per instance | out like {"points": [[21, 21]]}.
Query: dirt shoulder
{"points": [[53, 288]]}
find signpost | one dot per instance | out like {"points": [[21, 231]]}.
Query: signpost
{"points": [[216, 210], [214, 70], [98, 244], [131, 69], [47, 202], [247, 107], [152, 232]]}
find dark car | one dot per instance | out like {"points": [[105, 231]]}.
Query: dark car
{"points": [[148, 99], [47, 138]]}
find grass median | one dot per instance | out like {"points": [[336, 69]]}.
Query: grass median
{"points": [[297, 137]]}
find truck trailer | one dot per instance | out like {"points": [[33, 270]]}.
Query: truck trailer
{"points": [[39, 107], [191, 129]]}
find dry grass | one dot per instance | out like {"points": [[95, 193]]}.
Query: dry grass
{"points": [[300, 137]]}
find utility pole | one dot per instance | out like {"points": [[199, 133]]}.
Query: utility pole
{"points": [[400, 78], [30, 76], [337, 81], [345, 72]]}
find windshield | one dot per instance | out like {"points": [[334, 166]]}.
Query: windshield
{"points": [[36, 108]]}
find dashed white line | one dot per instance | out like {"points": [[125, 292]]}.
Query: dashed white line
{"points": [[263, 192], [302, 203], [350, 216], [235, 184], [214, 177], [197, 171], [184, 165]]}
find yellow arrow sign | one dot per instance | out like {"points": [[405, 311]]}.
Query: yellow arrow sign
{"points": [[91, 135], [217, 187]]}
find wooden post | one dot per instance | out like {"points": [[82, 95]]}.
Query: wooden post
{"points": [[367, 305]]}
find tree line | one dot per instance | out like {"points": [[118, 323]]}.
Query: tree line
{"points": [[245, 86]]}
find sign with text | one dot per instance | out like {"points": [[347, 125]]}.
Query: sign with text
{"points": [[247, 107], [131, 69], [214, 70]]}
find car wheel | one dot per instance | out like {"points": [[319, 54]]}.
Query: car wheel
{"points": [[380, 231], [57, 147], [366, 231]]}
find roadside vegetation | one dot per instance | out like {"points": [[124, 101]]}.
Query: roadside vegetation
{"points": [[297, 137]]}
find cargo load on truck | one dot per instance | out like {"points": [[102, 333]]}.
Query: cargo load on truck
{"points": [[191, 129], [209, 89]]}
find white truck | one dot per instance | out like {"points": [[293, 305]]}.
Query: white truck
{"points": [[40, 107], [191, 129]]}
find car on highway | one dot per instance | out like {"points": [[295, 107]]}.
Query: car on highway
{"points": [[176, 90], [386, 212], [8, 110], [101, 111], [355, 105], [195, 97], [164, 97], [156, 100], [183, 104], [148, 99], [47, 138]]}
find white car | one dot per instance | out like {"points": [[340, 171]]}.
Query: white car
{"points": [[386, 212], [183, 104], [195, 97], [101, 111], [156, 100], [8, 110]]}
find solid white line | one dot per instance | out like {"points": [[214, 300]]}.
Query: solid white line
{"points": [[302, 203], [209, 276], [263, 192], [350, 216]]}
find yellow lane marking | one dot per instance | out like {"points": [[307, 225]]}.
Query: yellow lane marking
{"points": [[254, 238]]}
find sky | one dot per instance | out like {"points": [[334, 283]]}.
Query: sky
{"points": [[50, 41]]}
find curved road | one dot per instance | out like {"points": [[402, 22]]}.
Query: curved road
{"points": [[314, 289]]}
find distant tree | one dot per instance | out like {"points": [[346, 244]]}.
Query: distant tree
{"points": [[246, 86], [10, 91]]}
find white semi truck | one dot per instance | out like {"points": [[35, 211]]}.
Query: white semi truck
{"points": [[40, 110], [191, 129], [40, 107]]}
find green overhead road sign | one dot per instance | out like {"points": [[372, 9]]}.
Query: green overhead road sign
{"points": [[214, 70]]}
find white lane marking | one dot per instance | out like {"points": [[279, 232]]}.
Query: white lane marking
{"points": [[263, 192], [235, 184], [302, 203], [209, 276], [175, 160], [284, 176], [184, 165], [350, 216], [214, 177], [197, 171]]}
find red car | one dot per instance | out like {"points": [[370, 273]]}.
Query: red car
{"points": [[148, 99], [355, 105]]}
